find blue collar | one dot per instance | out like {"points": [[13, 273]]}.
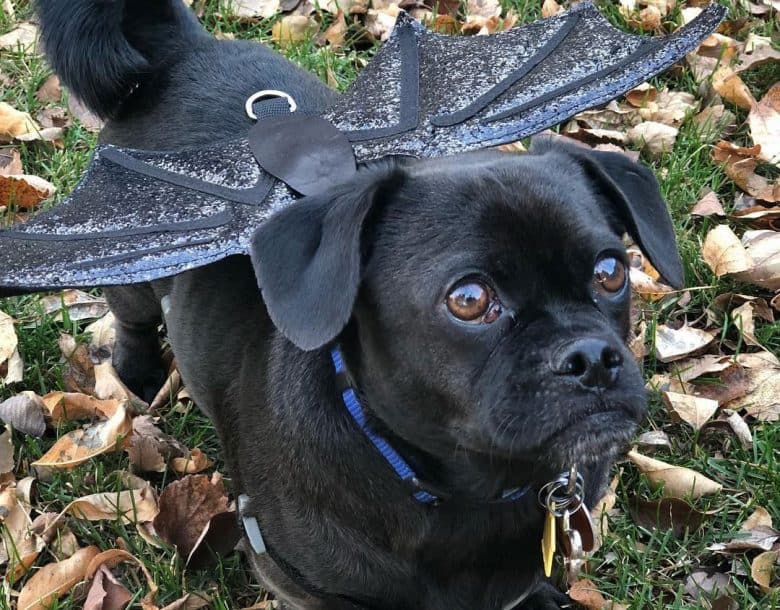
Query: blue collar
{"points": [[420, 491]]}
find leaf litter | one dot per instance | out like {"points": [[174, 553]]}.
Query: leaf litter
{"points": [[715, 375]]}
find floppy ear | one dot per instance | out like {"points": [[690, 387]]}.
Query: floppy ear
{"points": [[307, 257], [631, 193]]}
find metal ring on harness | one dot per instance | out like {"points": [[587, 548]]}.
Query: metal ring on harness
{"points": [[250, 101]]}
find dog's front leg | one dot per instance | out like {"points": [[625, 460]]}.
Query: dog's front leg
{"points": [[136, 355]]}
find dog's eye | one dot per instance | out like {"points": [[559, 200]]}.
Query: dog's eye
{"points": [[609, 275], [472, 301]]}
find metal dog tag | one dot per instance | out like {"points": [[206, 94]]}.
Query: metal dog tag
{"points": [[571, 548]]}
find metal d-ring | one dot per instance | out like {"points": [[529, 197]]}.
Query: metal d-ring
{"points": [[258, 95]]}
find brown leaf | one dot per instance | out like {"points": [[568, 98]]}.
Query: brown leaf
{"points": [[692, 368], [109, 386], [673, 344], [550, 8], [25, 413], [131, 506], [112, 558], [654, 137], [191, 601], [106, 592], [666, 514], [764, 121], [19, 544], [762, 570], [78, 304], [81, 445], [654, 438], [24, 191], [8, 340], [585, 593], [54, 116], [640, 96], [292, 29], [757, 51], [337, 31], [54, 580], [150, 448], [72, 406], [759, 517], [24, 38], [186, 507], [730, 87], [740, 164], [88, 120], [50, 91], [78, 373], [650, 18], [691, 409], [6, 451], [14, 123], [194, 463], [762, 399], [254, 8], [709, 205], [677, 481], [707, 583], [10, 162]]}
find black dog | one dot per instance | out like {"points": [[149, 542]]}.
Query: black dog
{"points": [[480, 304]]}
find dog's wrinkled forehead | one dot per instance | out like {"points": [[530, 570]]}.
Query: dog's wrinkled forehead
{"points": [[519, 215]]}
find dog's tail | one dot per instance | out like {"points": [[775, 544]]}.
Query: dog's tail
{"points": [[103, 49]]}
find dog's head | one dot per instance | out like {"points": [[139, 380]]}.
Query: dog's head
{"points": [[485, 296]]}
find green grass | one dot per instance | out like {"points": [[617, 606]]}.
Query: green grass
{"points": [[644, 569]]}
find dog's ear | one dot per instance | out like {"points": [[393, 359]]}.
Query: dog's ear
{"points": [[307, 257], [634, 203]]}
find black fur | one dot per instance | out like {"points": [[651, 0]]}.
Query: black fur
{"points": [[474, 408]]}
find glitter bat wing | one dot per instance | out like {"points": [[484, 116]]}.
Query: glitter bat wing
{"points": [[138, 216]]}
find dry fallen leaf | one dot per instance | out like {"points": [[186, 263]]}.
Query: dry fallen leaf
{"points": [[54, 580], [707, 583], [585, 593], [10, 162], [654, 438], [187, 508], [708, 205], [78, 304], [19, 544], [192, 464], [24, 191], [6, 451], [673, 344], [691, 409], [106, 592], [25, 412], [24, 37], [89, 120], [762, 570], [654, 137], [191, 601], [72, 406], [731, 88], [81, 445], [666, 514], [254, 8], [78, 371], [14, 123], [291, 29], [102, 339], [762, 398], [740, 164], [754, 259], [50, 91], [757, 51], [131, 506], [677, 481], [764, 121], [112, 558], [550, 8]]}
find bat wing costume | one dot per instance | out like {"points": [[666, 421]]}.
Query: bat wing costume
{"points": [[138, 216]]}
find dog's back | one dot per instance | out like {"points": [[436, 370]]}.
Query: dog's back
{"points": [[164, 83]]}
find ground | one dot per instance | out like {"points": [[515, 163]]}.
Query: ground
{"points": [[641, 564]]}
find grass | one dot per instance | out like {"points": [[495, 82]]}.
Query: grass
{"points": [[642, 568]]}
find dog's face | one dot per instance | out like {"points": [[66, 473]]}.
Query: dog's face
{"points": [[488, 295]]}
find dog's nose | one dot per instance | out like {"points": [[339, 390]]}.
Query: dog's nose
{"points": [[594, 362]]}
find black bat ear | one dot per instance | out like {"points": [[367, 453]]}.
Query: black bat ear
{"points": [[307, 257], [630, 195]]}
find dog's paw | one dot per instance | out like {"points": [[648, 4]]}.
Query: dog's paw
{"points": [[142, 373], [548, 597]]}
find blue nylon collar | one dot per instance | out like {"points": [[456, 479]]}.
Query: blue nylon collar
{"points": [[392, 457]]}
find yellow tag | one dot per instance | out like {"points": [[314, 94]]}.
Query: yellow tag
{"points": [[548, 543]]}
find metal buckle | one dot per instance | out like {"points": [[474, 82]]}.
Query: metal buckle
{"points": [[250, 101]]}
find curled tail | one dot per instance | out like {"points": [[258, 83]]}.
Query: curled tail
{"points": [[104, 49]]}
